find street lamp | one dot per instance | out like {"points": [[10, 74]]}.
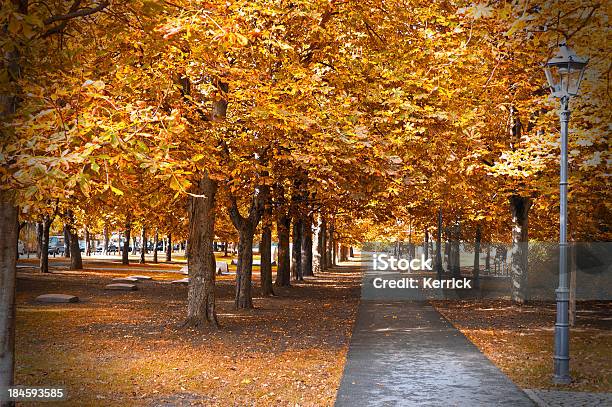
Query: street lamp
{"points": [[564, 73]]}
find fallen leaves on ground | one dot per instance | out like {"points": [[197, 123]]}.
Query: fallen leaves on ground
{"points": [[519, 340], [129, 347]]}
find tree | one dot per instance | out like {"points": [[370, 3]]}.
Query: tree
{"points": [[76, 262], [16, 62], [201, 307]]}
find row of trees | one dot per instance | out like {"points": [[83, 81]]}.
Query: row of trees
{"points": [[352, 120]]}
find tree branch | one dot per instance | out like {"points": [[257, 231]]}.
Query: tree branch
{"points": [[73, 12]]}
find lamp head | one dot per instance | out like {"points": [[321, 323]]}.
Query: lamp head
{"points": [[564, 72]]}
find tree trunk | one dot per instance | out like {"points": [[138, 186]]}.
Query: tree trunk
{"points": [[488, 258], [87, 243], [316, 245], [44, 250], [296, 252], [66, 240], [169, 247], [8, 263], [476, 271], [244, 269], [9, 235], [439, 247], [155, 243], [265, 247], [448, 254], [106, 241], [323, 242], [519, 206], [329, 251], [283, 268], [125, 259], [266, 260], [426, 244], [143, 243], [343, 253], [456, 250], [307, 247], [76, 261], [39, 238], [201, 308], [246, 228]]}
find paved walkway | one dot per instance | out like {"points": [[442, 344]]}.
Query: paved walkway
{"points": [[404, 353], [556, 398]]}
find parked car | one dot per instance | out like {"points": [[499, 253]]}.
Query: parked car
{"points": [[56, 251], [56, 245]]}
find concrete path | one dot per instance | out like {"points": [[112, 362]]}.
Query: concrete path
{"points": [[556, 398], [404, 353]]}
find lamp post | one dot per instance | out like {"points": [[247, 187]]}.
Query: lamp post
{"points": [[564, 73]]}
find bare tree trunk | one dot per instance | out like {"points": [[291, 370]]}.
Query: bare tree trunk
{"points": [[520, 218], [8, 264], [244, 269], [87, 243], [316, 245], [343, 253], [66, 240], [76, 262], [44, 251], [331, 242], [488, 258], [201, 308], [169, 247], [426, 244], [143, 243], [296, 252], [439, 247], [455, 250], [246, 228], [447, 253], [155, 243], [39, 238], [106, 241], [125, 259], [283, 268], [476, 271], [307, 247], [323, 243], [265, 247], [266, 260]]}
